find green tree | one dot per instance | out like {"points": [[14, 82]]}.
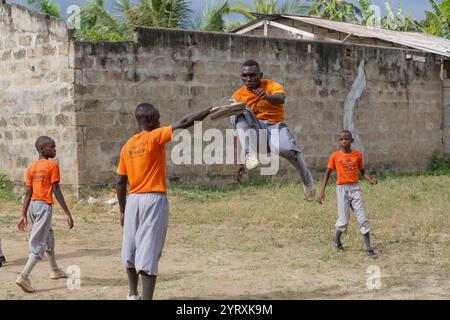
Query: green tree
{"points": [[437, 21], [156, 13], [213, 18], [272, 7], [46, 6], [398, 21], [336, 10], [97, 24], [369, 16]]}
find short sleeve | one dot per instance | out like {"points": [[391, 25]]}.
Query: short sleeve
{"points": [[28, 180], [164, 135], [276, 88], [55, 175], [360, 161], [331, 163], [236, 96], [121, 168]]}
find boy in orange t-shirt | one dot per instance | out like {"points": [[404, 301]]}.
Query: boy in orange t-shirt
{"points": [[42, 179], [347, 163], [145, 214]]}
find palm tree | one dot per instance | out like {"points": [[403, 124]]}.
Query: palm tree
{"points": [[213, 18], [97, 24], [437, 21], [272, 7], [370, 17], [156, 13], [398, 21], [46, 6], [337, 10]]}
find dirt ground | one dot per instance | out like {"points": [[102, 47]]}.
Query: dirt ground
{"points": [[260, 242]]}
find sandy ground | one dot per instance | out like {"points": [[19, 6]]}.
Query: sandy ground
{"points": [[232, 255]]}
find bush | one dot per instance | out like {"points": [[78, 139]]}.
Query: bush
{"points": [[6, 188], [439, 164]]}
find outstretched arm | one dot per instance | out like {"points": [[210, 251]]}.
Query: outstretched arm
{"points": [[368, 178], [121, 190], [59, 196], [23, 222], [326, 177], [188, 120]]}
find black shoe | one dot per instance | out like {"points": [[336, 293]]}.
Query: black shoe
{"points": [[1, 264], [338, 246], [2, 259], [372, 253]]}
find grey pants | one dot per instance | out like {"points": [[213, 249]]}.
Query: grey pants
{"points": [[41, 238], [144, 231], [349, 196], [285, 146]]}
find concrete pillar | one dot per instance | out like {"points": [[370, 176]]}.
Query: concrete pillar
{"points": [[446, 123]]}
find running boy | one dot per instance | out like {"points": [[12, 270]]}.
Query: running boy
{"points": [[347, 162], [145, 215], [42, 179]]}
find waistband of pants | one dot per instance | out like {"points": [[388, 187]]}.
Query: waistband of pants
{"points": [[348, 186]]}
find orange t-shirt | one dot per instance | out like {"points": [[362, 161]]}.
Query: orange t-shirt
{"points": [[41, 176], [347, 166], [262, 109], [143, 160]]}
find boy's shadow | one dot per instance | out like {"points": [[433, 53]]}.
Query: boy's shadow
{"points": [[70, 255]]}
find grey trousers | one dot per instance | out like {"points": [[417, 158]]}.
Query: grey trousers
{"points": [[41, 238], [144, 231], [285, 146], [349, 196]]}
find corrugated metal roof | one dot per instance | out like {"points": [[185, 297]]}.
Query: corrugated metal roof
{"points": [[416, 40]]}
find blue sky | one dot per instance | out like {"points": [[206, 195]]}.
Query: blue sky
{"points": [[416, 7]]}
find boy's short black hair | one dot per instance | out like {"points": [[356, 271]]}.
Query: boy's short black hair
{"points": [[42, 142], [347, 132], [250, 63], [144, 110]]}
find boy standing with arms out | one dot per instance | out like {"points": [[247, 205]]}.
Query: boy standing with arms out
{"points": [[145, 215], [347, 162], [42, 179]]}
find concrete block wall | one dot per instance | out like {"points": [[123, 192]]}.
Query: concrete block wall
{"points": [[84, 95], [397, 117], [36, 85]]}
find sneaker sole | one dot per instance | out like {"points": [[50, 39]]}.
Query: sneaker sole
{"points": [[24, 288], [61, 277]]}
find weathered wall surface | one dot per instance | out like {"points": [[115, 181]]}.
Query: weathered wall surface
{"points": [[36, 91], [446, 122], [84, 95], [393, 104]]}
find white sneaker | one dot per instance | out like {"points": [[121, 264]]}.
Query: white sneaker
{"points": [[133, 298], [251, 161], [58, 274], [310, 192], [24, 283]]}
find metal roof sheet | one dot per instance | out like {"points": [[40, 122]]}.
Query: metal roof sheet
{"points": [[416, 40]]}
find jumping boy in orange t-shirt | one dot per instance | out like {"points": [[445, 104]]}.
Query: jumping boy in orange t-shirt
{"points": [[42, 179], [145, 214], [265, 100], [347, 162]]}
